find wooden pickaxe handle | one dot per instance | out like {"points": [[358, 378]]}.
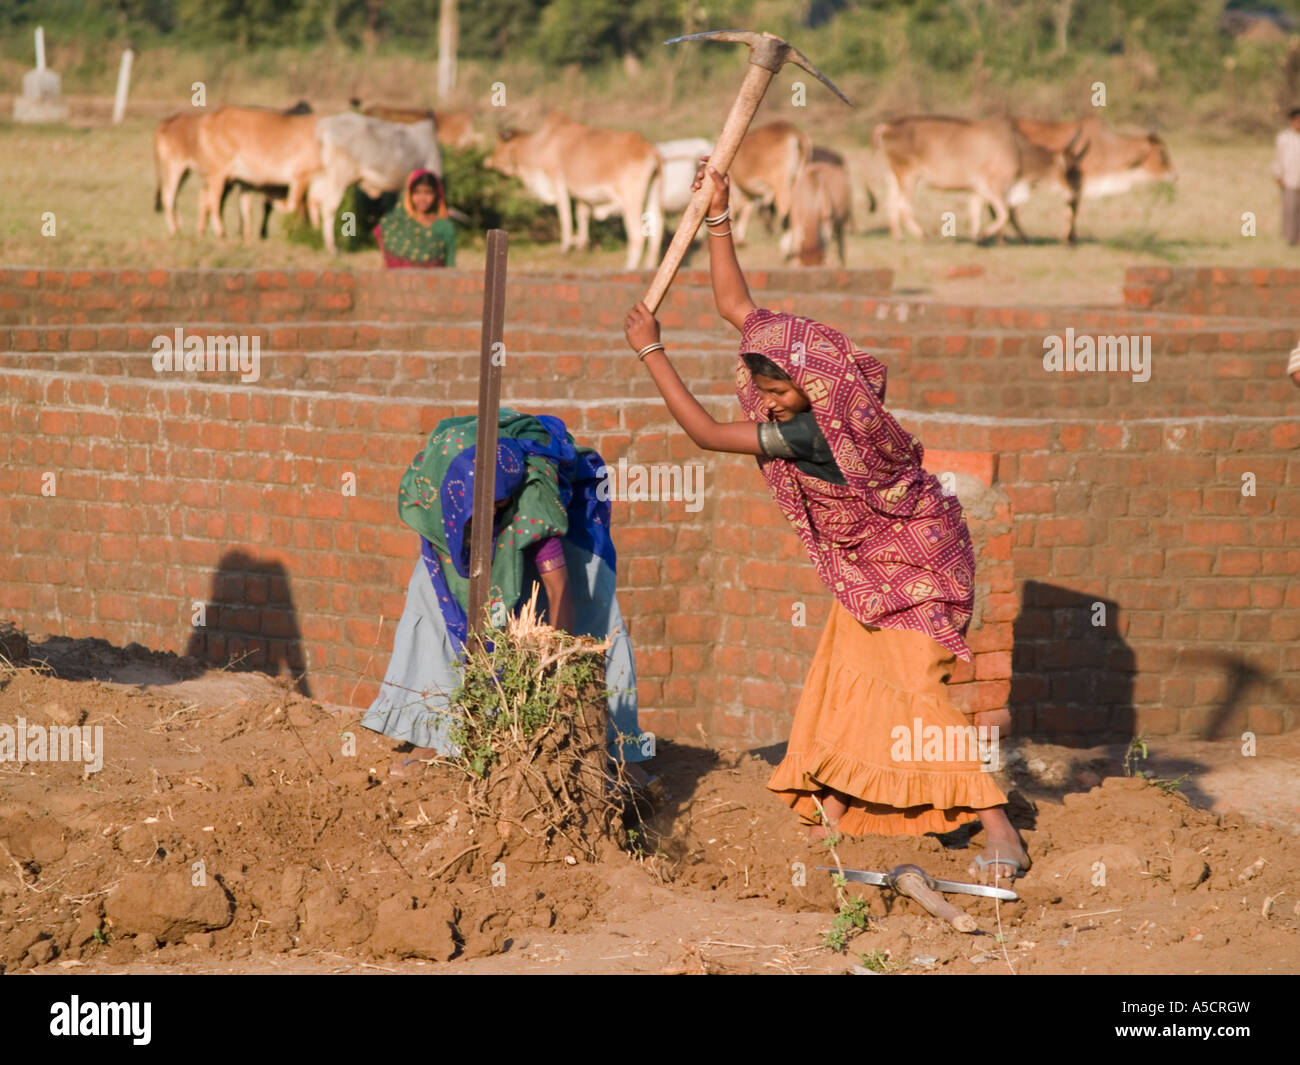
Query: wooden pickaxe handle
{"points": [[742, 113], [914, 887]]}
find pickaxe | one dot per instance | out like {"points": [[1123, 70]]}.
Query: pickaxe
{"points": [[767, 54], [915, 883]]}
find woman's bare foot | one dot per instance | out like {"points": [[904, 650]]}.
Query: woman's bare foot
{"points": [[1003, 857], [999, 862]]}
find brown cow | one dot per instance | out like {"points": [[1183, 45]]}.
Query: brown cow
{"points": [[455, 128], [1115, 163], [822, 154], [255, 147], [988, 157], [763, 171], [176, 150], [598, 168], [175, 154], [820, 209]]}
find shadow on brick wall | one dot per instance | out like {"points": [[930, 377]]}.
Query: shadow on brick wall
{"points": [[1241, 676], [1071, 672], [249, 621]]}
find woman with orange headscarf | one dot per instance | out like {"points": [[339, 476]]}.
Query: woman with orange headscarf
{"points": [[417, 231]]}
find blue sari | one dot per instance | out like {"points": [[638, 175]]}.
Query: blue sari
{"points": [[429, 644]]}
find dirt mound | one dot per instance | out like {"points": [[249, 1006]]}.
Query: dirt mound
{"points": [[248, 824], [258, 825], [1162, 885], [168, 907]]}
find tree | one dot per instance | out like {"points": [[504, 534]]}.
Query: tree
{"points": [[448, 45]]}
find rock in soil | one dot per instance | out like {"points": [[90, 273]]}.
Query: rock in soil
{"points": [[168, 906]]}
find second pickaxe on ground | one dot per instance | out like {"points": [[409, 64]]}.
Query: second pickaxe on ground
{"points": [[915, 883]]}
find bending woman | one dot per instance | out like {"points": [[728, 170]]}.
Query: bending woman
{"points": [[893, 549], [417, 231], [550, 526]]}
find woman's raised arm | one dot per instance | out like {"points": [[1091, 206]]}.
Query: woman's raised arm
{"points": [[740, 438], [730, 292]]}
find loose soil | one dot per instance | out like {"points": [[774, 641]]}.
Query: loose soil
{"points": [[230, 831]]}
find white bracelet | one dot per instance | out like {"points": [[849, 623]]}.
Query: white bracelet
{"points": [[726, 234], [719, 219], [656, 346]]}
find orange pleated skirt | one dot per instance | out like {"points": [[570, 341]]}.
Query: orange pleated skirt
{"points": [[865, 727]]}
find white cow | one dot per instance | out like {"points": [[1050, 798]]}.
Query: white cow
{"points": [[681, 159], [378, 154]]}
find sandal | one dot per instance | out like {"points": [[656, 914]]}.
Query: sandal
{"points": [[982, 863]]}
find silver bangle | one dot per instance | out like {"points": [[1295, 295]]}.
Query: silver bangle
{"points": [[719, 219], [726, 234], [656, 346]]}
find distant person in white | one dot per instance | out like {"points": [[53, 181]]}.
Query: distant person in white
{"points": [[1286, 169]]}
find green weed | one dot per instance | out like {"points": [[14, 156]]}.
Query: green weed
{"points": [[850, 919], [1138, 751], [878, 961]]}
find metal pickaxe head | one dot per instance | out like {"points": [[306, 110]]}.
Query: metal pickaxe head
{"points": [[766, 51], [767, 54]]}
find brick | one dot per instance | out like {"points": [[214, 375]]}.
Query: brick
{"points": [[1285, 627], [1155, 721], [1063, 531], [1217, 531], [1266, 596], [1234, 562], [994, 665], [687, 629], [975, 696], [1267, 720], [1032, 499], [57, 422], [990, 637]]}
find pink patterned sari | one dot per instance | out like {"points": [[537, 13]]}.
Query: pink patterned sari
{"points": [[890, 544]]}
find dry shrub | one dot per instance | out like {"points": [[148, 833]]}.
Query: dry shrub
{"points": [[530, 728]]}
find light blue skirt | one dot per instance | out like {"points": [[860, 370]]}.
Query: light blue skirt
{"points": [[424, 670]]}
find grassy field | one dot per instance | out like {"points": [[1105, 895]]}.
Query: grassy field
{"points": [[98, 180]]}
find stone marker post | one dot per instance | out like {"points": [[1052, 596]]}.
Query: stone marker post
{"points": [[42, 97]]}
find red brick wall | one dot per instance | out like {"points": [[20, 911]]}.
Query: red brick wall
{"points": [[1232, 291], [166, 497], [1202, 633], [171, 492], [57, 297], [1112, 492], [971, 361]]}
